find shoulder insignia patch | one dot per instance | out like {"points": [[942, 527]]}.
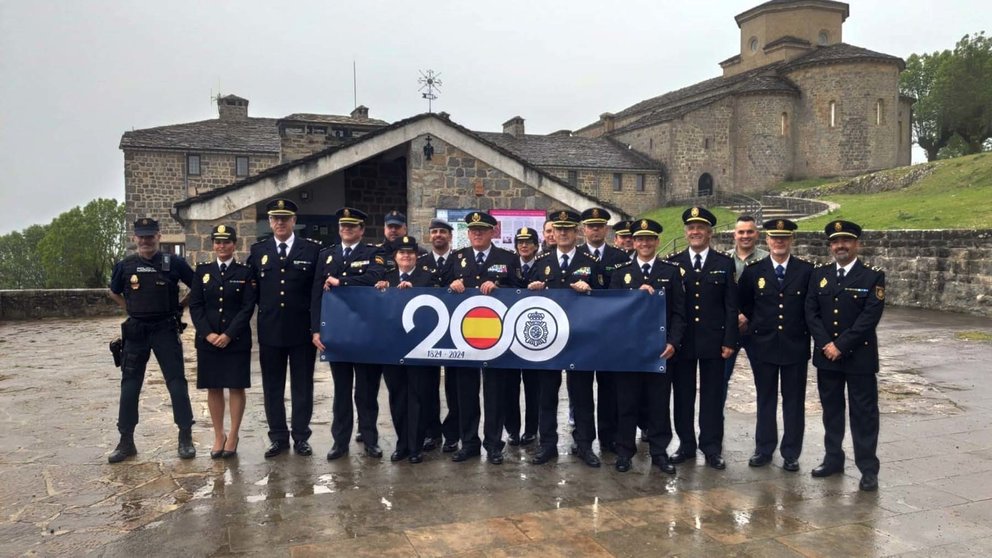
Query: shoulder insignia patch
{"points": [[380, 260], [880, 293]]}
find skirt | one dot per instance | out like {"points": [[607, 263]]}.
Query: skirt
{"points": [[221, 369]]}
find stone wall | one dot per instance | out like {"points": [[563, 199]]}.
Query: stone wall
{"points": [[376, 187], [56, 303], [199, 245], [701, 144], [764, 155], [155, 180], [599, 184]]}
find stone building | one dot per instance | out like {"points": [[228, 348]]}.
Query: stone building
{"points": [[795, 102]]}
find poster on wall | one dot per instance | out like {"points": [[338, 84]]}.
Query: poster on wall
{"points": [[508, 222]]}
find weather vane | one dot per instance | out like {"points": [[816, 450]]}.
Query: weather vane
{"points": [[430, 86]]}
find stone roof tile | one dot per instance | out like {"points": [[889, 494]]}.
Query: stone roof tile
{"points": [[840, 52], [571, 151], [248, 135], [334, 119]]}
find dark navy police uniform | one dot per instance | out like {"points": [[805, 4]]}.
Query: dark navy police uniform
{"points": [[222, 301]]}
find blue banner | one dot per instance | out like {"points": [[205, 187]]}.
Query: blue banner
{"points": [[550, 329]]}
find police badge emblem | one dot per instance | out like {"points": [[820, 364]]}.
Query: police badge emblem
{"points": [[823, 282], [694, 212], [761, 282], [329, 258], [880, 293], [265, 259], [134, 282], [536, 329], [464, 263], [547, 271], [206, 278], [626, 279]]}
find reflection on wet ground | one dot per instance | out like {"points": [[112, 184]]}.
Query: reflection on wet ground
{"points": [[58, 496]]}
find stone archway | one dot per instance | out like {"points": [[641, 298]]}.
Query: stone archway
{"points": [[705, 185]]}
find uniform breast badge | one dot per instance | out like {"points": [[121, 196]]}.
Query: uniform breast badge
{"points": [[265, 259], [134, 282], [761, 282], [823, 282], [206, 278]]}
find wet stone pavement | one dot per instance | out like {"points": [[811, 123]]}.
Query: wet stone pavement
{"points": [[59, 497]]}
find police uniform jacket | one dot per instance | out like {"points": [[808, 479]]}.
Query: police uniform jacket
{"points": [[711, 305], [665, 276], [847, 315], [583, 267], [776, 315], [422, 275], [611, 258], [151, 287], [364, 267], [500, 267], [284, 291], [223, 304], [388, 251]]}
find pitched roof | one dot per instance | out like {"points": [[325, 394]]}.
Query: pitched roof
{"points": [[334, 119], [249, 135], [572, 151], [841, 52]]}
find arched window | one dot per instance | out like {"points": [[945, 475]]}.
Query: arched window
{"points": [[823, 39], [833, 113], [879, 112], [705, 186], [753, 44], [785, 124]]}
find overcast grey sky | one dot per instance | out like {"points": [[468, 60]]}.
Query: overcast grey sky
{"points": [[74, 75]]}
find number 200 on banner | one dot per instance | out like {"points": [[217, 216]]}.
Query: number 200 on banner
{"points": [[483, 328]]}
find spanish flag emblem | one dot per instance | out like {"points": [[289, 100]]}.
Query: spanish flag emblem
{"points": [[482, 327]]}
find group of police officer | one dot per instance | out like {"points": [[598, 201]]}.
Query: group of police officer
{"points": [[779, 302]]}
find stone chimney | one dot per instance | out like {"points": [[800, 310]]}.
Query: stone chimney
{"points": [[514, 127], [607, 120], [361, 112], [232, 107]]}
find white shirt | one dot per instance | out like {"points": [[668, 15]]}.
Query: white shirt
{"points": [[640, 264], [601, 248], [229, 261], [485, 254], [785, 264], [571, 256], [446, 256], [289, 243], [703, 254], [846, 268]]}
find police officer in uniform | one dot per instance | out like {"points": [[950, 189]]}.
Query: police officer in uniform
{"points": [[710, 338], [594, 222], [622, 238], [843, 307], [285, 265], [527, 243], [487, 268], [409, 386], [221, 304], [773, 302], [146, 285], [439, 257], [566, 267], [349, 264], [643, 397]]}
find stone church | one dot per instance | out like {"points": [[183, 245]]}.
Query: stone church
{"points": [[795, 102]]}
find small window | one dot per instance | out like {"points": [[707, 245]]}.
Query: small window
{"points": [[573, 178], [706, 143], [193, 165], [833, 114], [879, 112], [640, 183], [785, 124], [317, 129], [823, 39], [617, 182], [241, 166], [753, 44]]}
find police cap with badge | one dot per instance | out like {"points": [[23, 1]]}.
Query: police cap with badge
{"points": [[842, 229], [621, 228], [780, 228], [145, 227], [406, 243], [526, 234], [224, 232], [646, 227], [595, 216], [440, 224], [281, 208], [395, 218], [350, 216], [564, 219], [698, 215], [480, 220]]}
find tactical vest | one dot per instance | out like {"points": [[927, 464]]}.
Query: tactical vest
{"points": [[148, 291]]}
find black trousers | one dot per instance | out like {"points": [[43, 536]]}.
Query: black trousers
{"points": [[532, 392], [163, 339], [467, 383], [606, 409], [643, 396], [301, 362], [766, 383], [711, 379], [549, 383], [431, 400], [580, 390], [364, 380], [408, 389], [449, 427], [862, 394]]}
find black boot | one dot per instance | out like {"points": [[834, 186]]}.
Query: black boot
{"points": [[186, 449], [125, 448]]}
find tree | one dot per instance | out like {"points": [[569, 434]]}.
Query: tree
{"points": [[919, 80], [81, 245], [20, 265]]}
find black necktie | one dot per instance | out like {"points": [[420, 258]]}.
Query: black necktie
{"points": [[699, 263], [595, 254], [646, 268], [440, 262], [480, 259], [840, 275], [282, 249], [404, 277], [780, 273], [223, 268], [564, 261], [347, 252], [526, 268]]}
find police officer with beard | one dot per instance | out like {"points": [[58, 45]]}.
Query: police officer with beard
{"points": [[146, 285], [439, 257]]}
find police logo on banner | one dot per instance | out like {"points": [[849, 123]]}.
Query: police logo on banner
{"points": [[536, 330]]}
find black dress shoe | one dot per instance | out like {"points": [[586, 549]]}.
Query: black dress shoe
{"points": [[373, 450], [303, 448], [759, 460], [544, 455], [186, 449], [791, 465], [588, 457], [416, 458], [662, 462], [513, 440], [125, 448], [464, 455], [359, 438], [622, 464], [399, 455], [337, 452], [527, 439], [869, 482], [715, 460], [275, 448], [431, 444], [825, 470], [681, 456], [494, 457], [449, 447]]}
